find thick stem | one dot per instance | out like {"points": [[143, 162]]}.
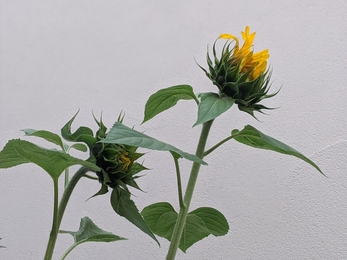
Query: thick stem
{"points": [[54, 231], [68, 191], [182, 216], [58, 212]]}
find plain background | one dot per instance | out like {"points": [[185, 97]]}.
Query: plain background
{"points": [[109, 56]]}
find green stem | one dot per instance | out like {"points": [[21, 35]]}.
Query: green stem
{"points": [[179, 183], [217, 145], [68, 191], [58, 211], [182, 216], [54, 231], [66, 177]]}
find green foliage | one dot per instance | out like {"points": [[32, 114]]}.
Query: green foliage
{"points": [[2, 246], [167, 98], [48, 136], [89, 232], [121, 134], [125, 207], [54, 162], [161, 218], [253, 137], [55, 139], [211, 106], [82, 134]]}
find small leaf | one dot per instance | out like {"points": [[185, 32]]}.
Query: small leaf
{"points": [[166, 98], [89, 232], [200, 223], [48, 136], [253, 137], [54, 162], [125, 207], [121, 134], [82, 134], [211, 106], [80, 147]]}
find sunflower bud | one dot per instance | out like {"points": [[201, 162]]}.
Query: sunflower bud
{"points": [[240, 73], [117, 162]]}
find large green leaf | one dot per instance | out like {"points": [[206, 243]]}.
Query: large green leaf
{"points": [[166, 98], [121, 134], [89, 232], [48, 136], [54, 162], [82, 134], [200, 223], [253, 137], [211, 106], [125, 207]]}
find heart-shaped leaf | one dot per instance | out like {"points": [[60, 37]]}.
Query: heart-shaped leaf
{"points": [[211, 106], [165, 99], [121, 134], [54, 162], [200, 223], [125, 207], [89, 232], [253, 137]]}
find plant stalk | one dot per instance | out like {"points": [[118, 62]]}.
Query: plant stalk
{"points": [[182, 216], [54, 231], [58, 211]]}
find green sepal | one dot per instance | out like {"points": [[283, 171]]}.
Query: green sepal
{"points": [[54, 162], [82, 134], [101, 133], [202, 222], [89, 232], [252, 137], [165, 99], [125, 207], [211, 106], [121, 134]]}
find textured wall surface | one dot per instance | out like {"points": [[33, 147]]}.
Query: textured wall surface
{"points": [[60, 56]]}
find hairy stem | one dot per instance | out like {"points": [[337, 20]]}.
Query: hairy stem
{"points": [[182, 216]]}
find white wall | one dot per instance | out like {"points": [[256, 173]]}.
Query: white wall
{"points": [[61, 56]]}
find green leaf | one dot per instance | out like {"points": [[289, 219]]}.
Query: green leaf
{"points": [[48, 136], [253, 137], [125, 207], [166, 98], [89, 232], [54, 162], [213, 219], [82, 134], [80, 147], [211, 106], [161, 218], [121, 134], [2, 246]]}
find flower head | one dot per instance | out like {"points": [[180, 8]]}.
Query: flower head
{"points": [[117, 163], [240, 73]]}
